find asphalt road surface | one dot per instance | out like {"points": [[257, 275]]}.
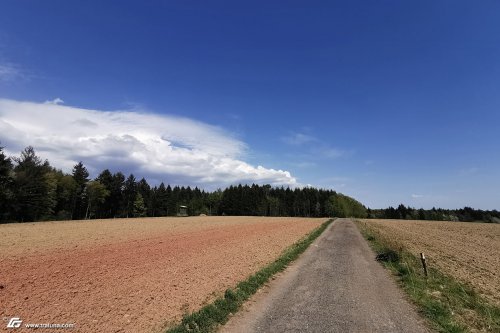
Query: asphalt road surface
{"points": [[335, 286]]}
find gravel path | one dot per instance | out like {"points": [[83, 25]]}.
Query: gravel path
{"points": [[336, 286]]}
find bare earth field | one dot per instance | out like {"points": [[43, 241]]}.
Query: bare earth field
{"points": [[468, 251], [132, 275]]}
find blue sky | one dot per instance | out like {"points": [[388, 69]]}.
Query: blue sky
{"points": [[388, 101]]}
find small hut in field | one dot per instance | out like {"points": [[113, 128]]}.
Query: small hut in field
{"points": [[182, 211]]}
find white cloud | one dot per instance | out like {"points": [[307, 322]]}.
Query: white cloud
{"points": [[9, 72], [417, 196], [327, 152], [305, 164], [55, 101], [336, 182], [297, 139], [313, 148], [160, 147]]}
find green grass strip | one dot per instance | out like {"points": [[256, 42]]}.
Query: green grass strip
{"points": [[450, 306], [208, 318]]}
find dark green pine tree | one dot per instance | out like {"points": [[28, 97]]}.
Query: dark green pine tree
{"points": [[129, 196], [144, 190], [81, 177], [116, 194], [106, 179], [6, 190], [171, 198], [30, 187], [161, 201], [112, 206]]}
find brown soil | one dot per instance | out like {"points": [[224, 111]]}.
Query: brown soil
{"points": [[466, 251], [132, 275]]}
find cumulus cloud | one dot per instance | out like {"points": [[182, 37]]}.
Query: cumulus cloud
{"points": [[160, 147]]}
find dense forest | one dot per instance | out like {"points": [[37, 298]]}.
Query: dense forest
{"points": [[465, 214], [32, 190]]}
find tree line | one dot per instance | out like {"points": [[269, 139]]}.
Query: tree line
{"points": [[32, 190], [466, 214]]}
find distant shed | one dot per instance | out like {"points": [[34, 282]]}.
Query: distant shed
{"points": [[182, 211]]}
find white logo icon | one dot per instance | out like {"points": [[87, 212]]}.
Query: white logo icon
{"points": [[14, 323]]}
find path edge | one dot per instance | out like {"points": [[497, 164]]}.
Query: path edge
{"points": [[217, 313]]}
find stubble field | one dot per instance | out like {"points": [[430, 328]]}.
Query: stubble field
{"points": [[469, 252], [132, 275]]}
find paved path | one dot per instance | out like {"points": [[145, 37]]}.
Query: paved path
{"points": [[336, 286]]}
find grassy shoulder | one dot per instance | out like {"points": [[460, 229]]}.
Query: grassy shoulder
{"points": [[450, 306], [208, 318]]}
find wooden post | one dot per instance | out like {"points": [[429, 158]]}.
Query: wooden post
{"points": [[422, 257]]}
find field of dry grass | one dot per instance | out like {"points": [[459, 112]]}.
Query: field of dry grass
{"points": [[469, 252], [132, 275]]}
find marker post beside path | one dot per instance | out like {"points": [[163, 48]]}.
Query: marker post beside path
{"points": [[424, 264]]}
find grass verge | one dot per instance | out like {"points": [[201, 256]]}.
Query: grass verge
{"points": [[449, 305], [208, 318]]}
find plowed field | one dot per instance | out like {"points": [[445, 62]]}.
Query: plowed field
{"points": [[468, 251], [132, 275]]}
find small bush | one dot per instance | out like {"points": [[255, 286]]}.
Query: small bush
{"points": [[388, 256]]}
